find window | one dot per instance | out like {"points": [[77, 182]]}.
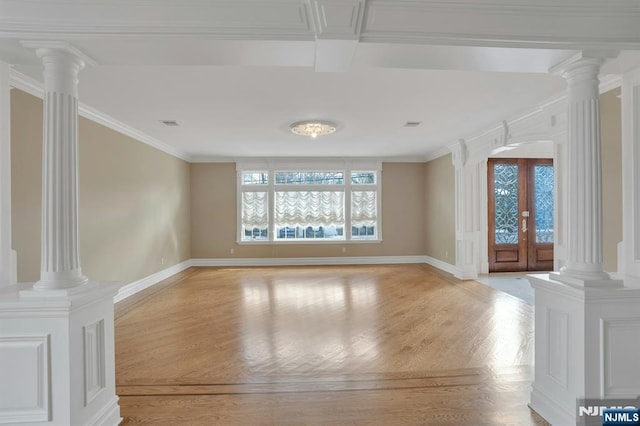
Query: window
{"points": [[291, 204]]}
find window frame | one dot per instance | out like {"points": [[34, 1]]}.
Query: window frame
{"points": [[271, 167]]}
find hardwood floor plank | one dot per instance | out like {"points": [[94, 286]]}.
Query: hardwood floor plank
{"points": [[321, 345]]}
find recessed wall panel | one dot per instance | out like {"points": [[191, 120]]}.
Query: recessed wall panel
{"points": [[24, 379], [94, 368], [557, 355], [621, 338]]}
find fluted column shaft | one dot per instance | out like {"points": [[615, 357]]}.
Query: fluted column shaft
{"points": [[60, 266], [584, 233], [7, 271]]}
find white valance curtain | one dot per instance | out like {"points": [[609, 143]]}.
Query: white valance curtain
{"points": [[363, 208], [255, 210], [309, 208]]}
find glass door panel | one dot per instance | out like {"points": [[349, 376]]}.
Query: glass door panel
{"points": [[540, 248], [506, 203], [521, 214], [543, 199]]}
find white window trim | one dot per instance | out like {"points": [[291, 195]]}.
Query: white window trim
{"points": [[271, 166]]}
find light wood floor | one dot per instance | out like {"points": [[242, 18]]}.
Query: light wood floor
{"points": [[396, 344]]}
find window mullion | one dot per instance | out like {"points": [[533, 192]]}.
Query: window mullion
{"points": [[302, 187], [239, 225], [272, 205], [347, 205]]}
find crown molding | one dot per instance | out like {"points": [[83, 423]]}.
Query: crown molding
{"points": [[223, 19], [35, 88], [529, 119], [573, 8], [502, 23], [497, 40], [306, 160], [114, 124], [610, 82], [435, 154], [507, 23]]}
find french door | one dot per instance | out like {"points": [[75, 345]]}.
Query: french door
{"points": [[520, 214]]}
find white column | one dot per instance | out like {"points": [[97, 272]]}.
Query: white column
{"points": [[57, 337], [629, 249], [7, 256], [468, 187], [584, 228], [587, 325], [561, 182], [60, 266]]}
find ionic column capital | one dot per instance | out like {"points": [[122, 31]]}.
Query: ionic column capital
{"points": [[62, 63], [583, 59]]}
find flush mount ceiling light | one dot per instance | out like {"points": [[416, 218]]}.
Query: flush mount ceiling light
{"points": [[313, 128]]}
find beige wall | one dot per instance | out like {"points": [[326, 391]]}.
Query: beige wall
{"points": [[134, 200], [139, 206], [213, 217], [611, 130], [440, 232]]}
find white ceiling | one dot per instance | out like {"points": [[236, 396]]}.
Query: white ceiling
{"points": [[245, 111], [236, 74]]}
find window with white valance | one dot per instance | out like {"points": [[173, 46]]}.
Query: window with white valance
{"points": [[291, 203]]}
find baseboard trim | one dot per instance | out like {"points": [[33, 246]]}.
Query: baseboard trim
{"points": [[109, 415], [549, 409], [146, 282], [310, 261], [466, 274], [443, 266]]}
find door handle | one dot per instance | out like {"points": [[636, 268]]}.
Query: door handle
{"points": [[524, 225]]}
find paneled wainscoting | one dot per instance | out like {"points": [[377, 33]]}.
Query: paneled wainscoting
{"points": [[374, 344]]}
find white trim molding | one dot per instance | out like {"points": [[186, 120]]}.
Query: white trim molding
{"points": [[153, 279], [528, 24], [629, 248], [583, 340], [7, 255], [443, 266], [148, 281], [25, 358], [310, 261], [57, 355], [33, 87]]}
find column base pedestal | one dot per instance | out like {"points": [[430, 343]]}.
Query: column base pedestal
{"points": [[57, 351], [37, 293], [586, 344], [584, 281]]}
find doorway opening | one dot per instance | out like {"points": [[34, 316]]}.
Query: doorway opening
{"points": [[521, 214]]}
